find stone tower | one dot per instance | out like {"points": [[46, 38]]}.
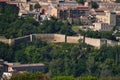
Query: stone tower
{"points": [[111, 18]]}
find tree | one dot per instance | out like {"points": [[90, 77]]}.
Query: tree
{"points": [[30, 76], [64, 78], [37, 6], [80, 1], [117, 1], [94, 5]]}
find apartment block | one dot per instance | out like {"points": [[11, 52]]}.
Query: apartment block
{"points": [[108, 17]]}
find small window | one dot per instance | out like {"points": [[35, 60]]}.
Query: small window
{"points": [[13, 0]]}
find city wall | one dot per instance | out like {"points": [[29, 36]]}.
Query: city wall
{"points": [[49, 37], [112, 43], [21, 39], [73, 39], [58, 38], [93, 42], [4, 40]]}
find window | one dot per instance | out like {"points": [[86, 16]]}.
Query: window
{"points": [[13, 0]]}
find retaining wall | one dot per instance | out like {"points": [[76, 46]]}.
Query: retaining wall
{"points": [[112, 43], [72, 39], [21, 39], [93, 42], [4, 40], [56, 38]]}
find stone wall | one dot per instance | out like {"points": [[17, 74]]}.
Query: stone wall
{"points": [[49, 37], [112, 43], [57, 38], [4, 40], [73, 39], [43, 37], [20, 39], [93, 42]]}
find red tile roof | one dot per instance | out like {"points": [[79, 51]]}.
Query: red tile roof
{"points": [[82, 8], [3, 0]]}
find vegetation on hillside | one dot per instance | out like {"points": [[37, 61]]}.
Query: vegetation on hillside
{"points": [[40, 76], [94, 5], [30, 76], [64, 59], [80, 1], [97, 34], [12, 26], [118, 1], [61, 59]]}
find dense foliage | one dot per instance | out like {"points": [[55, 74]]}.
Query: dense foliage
{"points": [[94, 5], [30, 76], [80, 1], [39, 76], [118, 1], [66, 59], [12, 26], [61, 59], [97, 34]]}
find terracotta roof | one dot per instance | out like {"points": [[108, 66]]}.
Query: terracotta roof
{"points": [[118, 14], [3, 0], [99, 10], [82, 8]]}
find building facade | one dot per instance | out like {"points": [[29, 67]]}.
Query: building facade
{"points": [[109, 17], [101, 27], [3, 67], [27, 67]]}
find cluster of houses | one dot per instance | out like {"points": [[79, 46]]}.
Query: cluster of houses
{"points": [[102, 19]]}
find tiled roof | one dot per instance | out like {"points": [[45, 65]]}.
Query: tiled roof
{"points": [[3, 0], [82, 8]]}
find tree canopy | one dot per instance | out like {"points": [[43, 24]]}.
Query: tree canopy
{"points": [[94, 5], [118, 1], [64, 59], [12, 26], [80, 1], [37, 6]]}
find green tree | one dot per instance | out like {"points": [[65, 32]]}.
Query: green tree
{"points": [[30, 76], [37, 6], [94, 5], [117, 1], [80, 1]]}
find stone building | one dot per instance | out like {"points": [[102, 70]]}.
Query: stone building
{"points": [[101, 27], [26, 67], [114, 7], [108, 17], [102, 0], [3, 67]]}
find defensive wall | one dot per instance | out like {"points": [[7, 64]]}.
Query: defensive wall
{"points": [[93, 41], [49, 37], [73, 39], [4, 40], [59, 38], [21, 39]]}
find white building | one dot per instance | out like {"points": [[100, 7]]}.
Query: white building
{"points": [[109, 17], [101, 27]]}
